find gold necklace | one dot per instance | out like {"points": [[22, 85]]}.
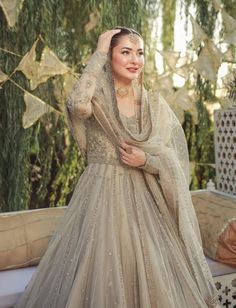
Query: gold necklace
{"points": [[122, 91]]}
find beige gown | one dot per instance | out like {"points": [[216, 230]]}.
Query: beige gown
{"points": [[112, 248]]}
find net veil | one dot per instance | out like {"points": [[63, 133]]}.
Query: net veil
{"points": [[161, 136]]}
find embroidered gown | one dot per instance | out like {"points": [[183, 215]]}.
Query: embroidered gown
{"points": [[112, 248]]}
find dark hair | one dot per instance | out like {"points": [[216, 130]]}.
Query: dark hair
{"points": [[123, 31]]}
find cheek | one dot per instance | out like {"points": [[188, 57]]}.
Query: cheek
{"points": [[118, 60]]}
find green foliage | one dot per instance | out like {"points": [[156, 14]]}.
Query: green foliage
{"points": [[230, 6], [169, 8], [28, 156], [201, 138], [14, 141], [41, 165]]}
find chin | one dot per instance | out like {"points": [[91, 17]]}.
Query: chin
{"points": [[126, 78], [131, 77]]}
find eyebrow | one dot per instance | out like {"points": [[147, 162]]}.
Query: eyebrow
{"points": [[131, 48]]}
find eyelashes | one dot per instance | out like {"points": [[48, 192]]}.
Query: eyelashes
{"points": [[126, 52]]}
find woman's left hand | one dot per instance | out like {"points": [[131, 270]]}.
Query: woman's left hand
{"points": [[131, 155]]}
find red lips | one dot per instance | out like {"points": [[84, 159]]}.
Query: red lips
{"points": [[132, 69]]}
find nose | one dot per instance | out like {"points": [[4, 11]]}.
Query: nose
{"points": [[134, 58]]}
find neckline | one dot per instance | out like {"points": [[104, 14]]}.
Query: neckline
{"points": [[125, 116]]}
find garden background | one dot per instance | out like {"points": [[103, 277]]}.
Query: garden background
{"points": [[44, 46]]}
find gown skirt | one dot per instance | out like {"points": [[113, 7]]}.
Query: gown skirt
{"points": [[112, 248]]}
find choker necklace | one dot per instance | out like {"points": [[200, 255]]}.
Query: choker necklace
{"points": [[122, 91]]}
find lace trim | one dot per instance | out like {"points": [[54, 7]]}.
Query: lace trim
{"points": [[79, 101], [213, 301], [150, 164]]}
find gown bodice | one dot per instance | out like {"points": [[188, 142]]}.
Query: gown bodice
{"points": [[100, 148]]}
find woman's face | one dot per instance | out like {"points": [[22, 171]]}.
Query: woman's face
{"points": [[127, 58]]}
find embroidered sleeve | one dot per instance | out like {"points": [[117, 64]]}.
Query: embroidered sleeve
{"points": [[79, 102], [152, 164]]}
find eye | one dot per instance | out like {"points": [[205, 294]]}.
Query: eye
{"points": [[141, 53], [125, 52]]}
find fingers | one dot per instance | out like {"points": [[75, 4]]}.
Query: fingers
{"points": [[131, 155], [126, 152], [126, 160], [123, 152], [111, 32], [107, 35], [105, 40], [124, 156], [124, 145]]}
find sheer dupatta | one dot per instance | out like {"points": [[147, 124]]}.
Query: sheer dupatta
{"points": [[161, 136]]}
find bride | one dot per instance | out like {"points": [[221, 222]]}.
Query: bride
{"points": [[129, 237]]}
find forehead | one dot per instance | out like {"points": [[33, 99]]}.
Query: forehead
{"points": [[131, 41]]}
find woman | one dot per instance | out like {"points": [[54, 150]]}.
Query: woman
{"points": [[129, 237]]}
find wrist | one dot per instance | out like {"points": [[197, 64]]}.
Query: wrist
{"points": [[145, 160], [102, 51]]}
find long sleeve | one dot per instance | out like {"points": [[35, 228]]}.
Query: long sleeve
{"points": [[79, 102], [152, 164]]}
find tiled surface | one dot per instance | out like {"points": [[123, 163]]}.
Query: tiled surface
{"points": [[225, 150], [226, 286]]}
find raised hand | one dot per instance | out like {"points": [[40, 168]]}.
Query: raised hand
{"points": [[104, 40]]}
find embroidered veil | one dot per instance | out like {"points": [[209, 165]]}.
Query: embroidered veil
{"points": [[161, 137]]}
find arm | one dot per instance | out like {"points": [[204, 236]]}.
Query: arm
{"points": [[136, 157], [79, 102], [152, 164]]}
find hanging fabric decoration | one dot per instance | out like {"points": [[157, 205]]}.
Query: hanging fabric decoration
{"points": [[35, 108], [217, 5], [28, 65], [49, 66], [93, 21], [11, 10], [3, 76], [208, 61], [39, 72], [198, 34], [230, 25], [164, 84], [178, 65], [183, 67], [171, 58], [62, 89], [183, 71], [181, 101]]}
